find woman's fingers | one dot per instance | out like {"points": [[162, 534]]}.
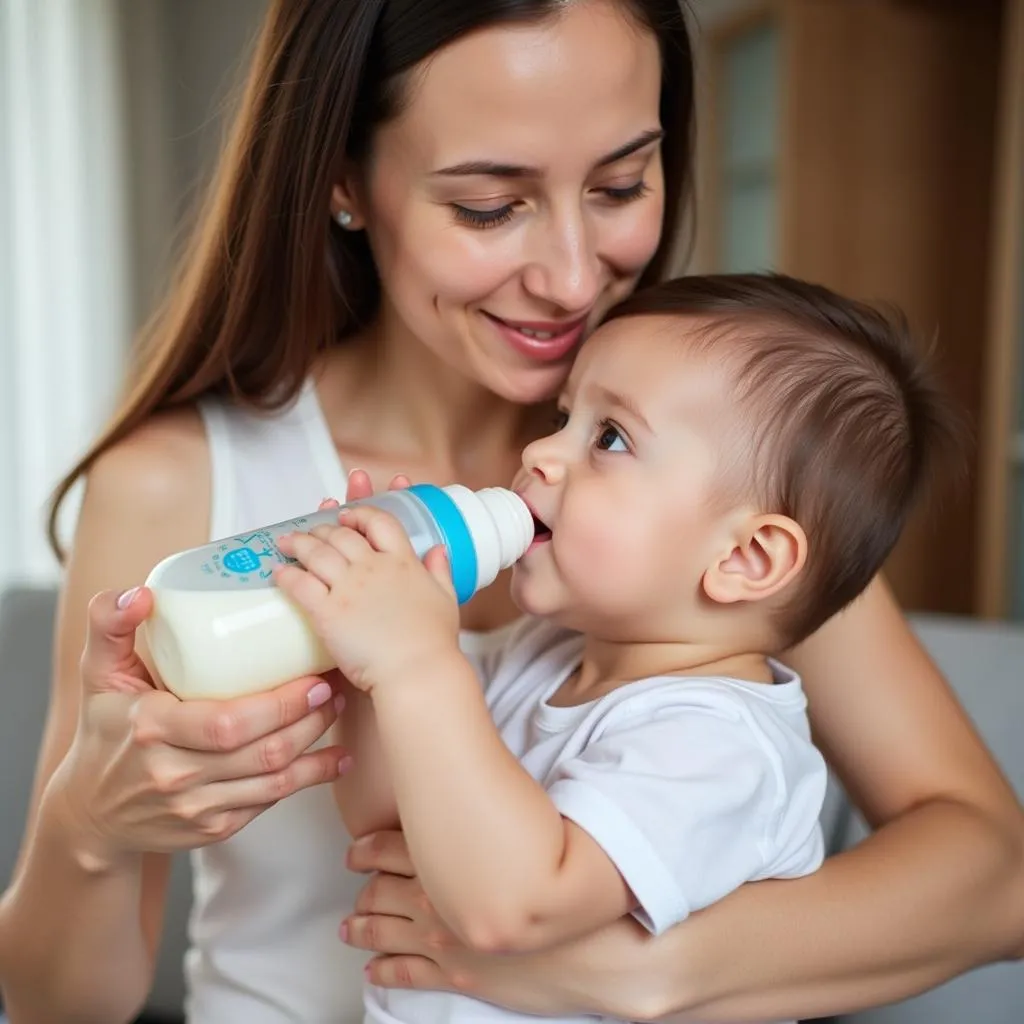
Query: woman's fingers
{"points": [[269, 754], [382, 934], [109, 661], [410, 972], [229, 725], [381, 851], [359, 485], [395, 895], [311, 769]]}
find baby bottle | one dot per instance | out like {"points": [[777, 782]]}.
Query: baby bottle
{"points": [[220, 627]]}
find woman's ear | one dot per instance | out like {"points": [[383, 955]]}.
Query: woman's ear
{"points": [[767, 555], [347, 208]]}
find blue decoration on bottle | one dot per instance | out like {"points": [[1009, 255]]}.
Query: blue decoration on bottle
{"points": [[243, 560], [458, 541]]}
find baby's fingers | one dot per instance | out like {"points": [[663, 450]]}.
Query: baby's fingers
{"points": [[316, 552], [302, 587], [380, 528]]}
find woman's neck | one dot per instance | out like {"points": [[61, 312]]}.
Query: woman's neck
{"points": [[389, 398]]}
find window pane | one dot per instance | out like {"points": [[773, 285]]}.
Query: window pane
{"points": [[749, 227], [750, 84]]}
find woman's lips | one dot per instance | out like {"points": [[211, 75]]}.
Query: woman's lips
{"points": [[543, 341]]}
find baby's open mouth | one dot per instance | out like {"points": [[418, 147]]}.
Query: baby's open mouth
{"points": [[541, 531]]}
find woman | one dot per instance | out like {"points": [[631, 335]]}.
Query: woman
{"points": [[398, 260]]}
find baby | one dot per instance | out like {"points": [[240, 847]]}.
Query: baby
{"points": [[735, 459]]}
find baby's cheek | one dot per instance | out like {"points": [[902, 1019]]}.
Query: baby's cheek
{"points": [[613, 559]]}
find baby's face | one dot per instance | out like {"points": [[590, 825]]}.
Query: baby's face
{"points": [[630, 487]]}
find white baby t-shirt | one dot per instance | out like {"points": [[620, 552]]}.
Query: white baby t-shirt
{"points": [[691, 785]]}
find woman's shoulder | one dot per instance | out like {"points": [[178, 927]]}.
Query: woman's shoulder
{"points": [[159, 475], [161, 460]]}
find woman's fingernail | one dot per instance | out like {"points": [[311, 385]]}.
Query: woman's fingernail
{"points": [[343, 931], [319, 695], [127, 597], [339, 703], [344, 764]]}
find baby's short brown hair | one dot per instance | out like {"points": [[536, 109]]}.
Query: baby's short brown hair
{"points": [[845, 420]]}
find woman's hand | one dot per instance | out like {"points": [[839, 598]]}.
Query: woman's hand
{"points": [[613, 969], [148, 772], [360, 486]]}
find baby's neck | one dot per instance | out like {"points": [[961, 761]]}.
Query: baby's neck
{"points": [[608, 665]]}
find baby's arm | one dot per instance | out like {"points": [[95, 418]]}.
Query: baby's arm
{"points": [[499, 862], [364, 794], [666, 814], [494, 853]]}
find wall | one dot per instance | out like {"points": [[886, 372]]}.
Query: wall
{"points": [[184, 60], [888, 171]]}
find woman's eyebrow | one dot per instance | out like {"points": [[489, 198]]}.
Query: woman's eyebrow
{"points": [[493, 169]]}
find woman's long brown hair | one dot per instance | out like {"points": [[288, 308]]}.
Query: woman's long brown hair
{"points": [[268, 281]]}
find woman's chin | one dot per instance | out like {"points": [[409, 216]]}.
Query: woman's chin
{"points": [[528, 385]]}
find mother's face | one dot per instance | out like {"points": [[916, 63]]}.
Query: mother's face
{"points": [[519, 195]]}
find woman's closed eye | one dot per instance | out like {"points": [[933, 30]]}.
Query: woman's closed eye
{"points": [[492, 217], [489, 218], [627, 193]]}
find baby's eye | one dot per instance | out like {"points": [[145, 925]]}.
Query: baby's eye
{"points": [[610, 439], [559, 421]]}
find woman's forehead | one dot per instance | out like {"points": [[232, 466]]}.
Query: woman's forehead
{"points": [[578, 85]]}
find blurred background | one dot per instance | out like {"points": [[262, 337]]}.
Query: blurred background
{"points": [[876, 146], [872, 145]]}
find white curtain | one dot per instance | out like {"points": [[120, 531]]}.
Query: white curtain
{"points": [[65, 302]]}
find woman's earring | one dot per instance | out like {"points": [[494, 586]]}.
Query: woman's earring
{"points": [[344, 218]]}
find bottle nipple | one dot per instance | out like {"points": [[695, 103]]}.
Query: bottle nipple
{"points": [[513, 523], [500, 524]]}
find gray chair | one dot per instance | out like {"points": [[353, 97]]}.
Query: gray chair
{"points": [[985, 663]]}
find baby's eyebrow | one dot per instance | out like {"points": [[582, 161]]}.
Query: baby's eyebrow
{"points": [[624, 402]]}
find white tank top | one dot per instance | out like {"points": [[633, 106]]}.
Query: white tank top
{"points": [[264, 946]]}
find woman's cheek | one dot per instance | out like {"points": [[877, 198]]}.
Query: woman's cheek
{"points": [[635, 237]]}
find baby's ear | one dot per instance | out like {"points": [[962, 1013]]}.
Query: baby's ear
{"points": [[766, 554]]}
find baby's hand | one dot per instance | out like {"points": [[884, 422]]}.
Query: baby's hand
{"points": [[379, 611]]}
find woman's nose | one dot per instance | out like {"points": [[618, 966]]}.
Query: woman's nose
{"points": [[565, 270]]}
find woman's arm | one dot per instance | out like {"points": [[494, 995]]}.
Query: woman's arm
{"points": [[113, 934], [364, 794], [128, 773], [937, 890]]}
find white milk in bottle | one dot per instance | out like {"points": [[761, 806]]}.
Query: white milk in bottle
{"points": [[220, 628]]}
